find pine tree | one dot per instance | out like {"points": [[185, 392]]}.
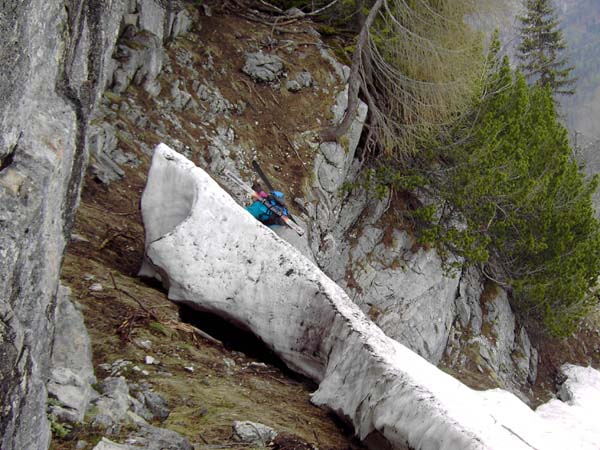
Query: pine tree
{"points": [[542, 48], [525, 211]]}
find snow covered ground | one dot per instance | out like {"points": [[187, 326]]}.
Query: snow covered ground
{"points": [[214, 256]]}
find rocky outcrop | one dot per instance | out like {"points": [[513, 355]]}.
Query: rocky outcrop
{"points": [[407, 290], [263, 67], [72, 372], [407, 293], [54, 80], [56, 61], [486, 336], [213, 256], [140, 61], [123, 404]]}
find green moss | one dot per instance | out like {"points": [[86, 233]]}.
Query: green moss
{"points": [[58, 429], [113, 97], [345, 143], [327, 30], [54, 402], [160, 328]]}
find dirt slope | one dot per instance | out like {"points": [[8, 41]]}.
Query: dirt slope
{"points": [[227, 382]]}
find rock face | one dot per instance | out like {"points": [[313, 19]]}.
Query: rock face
{"points": [[55, 62], [485, 334], [72, 373], [54, 81], [204, 248], [406, 290], [407, 293]]}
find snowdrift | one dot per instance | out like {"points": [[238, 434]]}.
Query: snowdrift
{"points": [[213, 256]]}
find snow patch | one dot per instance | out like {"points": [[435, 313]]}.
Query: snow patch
{"points": [[216, 257]]}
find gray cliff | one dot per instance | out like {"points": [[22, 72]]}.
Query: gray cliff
{"points": [[56, 59]]}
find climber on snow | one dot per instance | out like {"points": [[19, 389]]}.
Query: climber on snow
{"points": [[265, 214], [270, 209]]}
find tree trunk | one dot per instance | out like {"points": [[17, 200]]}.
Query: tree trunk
{"points": [[335, 132]]}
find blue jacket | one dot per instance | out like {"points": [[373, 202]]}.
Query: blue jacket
{"points": [[265, 215]]}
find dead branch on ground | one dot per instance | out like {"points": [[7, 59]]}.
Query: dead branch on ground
{"points": [[123, 291]]}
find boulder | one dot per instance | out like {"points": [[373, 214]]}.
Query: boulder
{"points": [[205, 249], [303, 80], [148, 437], [152, 18], [179, 22], [180, 98], [165, 22], [152, 402], [263, 67], [113, 405], [103, 144], [107, 444]]}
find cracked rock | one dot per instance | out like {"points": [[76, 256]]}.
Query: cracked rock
{"points": [[263, 67]]}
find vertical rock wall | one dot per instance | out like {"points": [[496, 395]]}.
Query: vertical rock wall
{"points": [[55, 62], [52, 76]]}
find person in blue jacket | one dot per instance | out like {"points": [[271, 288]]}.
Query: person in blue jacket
{"points": [[262, 213]]}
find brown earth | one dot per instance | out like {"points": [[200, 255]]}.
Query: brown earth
{"points": [[107, 248]]}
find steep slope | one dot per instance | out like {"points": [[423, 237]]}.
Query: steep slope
{"points": [[216, 115], [227, 383]]}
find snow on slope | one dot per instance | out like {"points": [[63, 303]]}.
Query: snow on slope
{"points": [[215, 257]]}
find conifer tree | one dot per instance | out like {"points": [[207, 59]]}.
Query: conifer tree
{"points": [[417, 64], [542, 49], [525, 207]]}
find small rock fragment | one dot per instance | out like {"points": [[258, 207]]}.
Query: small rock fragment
{"points": [[258, 365], [146, 344], [253, 433], [229, 363]]}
